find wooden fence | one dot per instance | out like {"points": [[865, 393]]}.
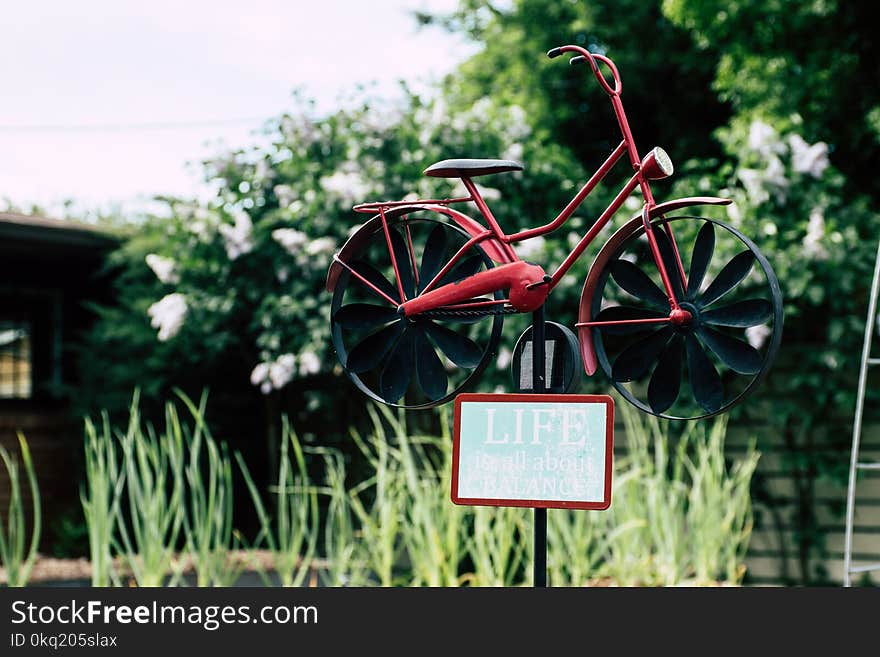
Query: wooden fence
{"points": [[773, 555]]}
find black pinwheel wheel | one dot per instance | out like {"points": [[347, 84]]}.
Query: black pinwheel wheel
{"points": [[414, 362], [705, 365]]}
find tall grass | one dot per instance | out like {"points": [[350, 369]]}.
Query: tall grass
{"points": [[498, 546], [208, 503], [719, 508], [378, 503], [100, 498], [290, 534], [342, 548], [150, 492], [682, 515], [431, 526], [154, 491], [680, 512], [17, 554]]}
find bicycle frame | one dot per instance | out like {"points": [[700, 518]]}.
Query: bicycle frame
{"points": [[673, 332], [528, 283]]}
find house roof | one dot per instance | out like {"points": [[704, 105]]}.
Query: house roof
{"points": [[32, 230]]}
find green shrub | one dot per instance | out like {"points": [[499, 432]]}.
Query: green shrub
{"points": [[17, 554]]}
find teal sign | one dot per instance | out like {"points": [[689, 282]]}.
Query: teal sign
{"points": [[550, 451]]}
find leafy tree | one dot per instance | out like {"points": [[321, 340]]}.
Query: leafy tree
{"points": [[665, 76], [813, 65], [800, 79]]}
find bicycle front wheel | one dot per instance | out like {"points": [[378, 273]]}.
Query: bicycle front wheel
{"points": [[710, 363]]}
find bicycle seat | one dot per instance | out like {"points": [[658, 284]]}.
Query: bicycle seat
{"points": [[470, 168]]}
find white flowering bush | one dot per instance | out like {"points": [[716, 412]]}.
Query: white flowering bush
{"points": [[230, 293], [792, 202]]}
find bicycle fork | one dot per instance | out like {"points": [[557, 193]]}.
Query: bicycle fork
{"points": [[677, 315]]}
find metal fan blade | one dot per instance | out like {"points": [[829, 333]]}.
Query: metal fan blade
{"points": [[466, 267], [665, 382], [738, 355], [375, 277], [670, 262], [397, 372], [370, 351], [460, 349], [434, 255], [430, 372], [704, 247], [360, 316], [623, 313], [635, 361], [749, 312], [728, 278], [633, 280], [705, 383]]}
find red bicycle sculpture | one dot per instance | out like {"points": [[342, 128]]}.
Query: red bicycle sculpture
{"points": [[420, 291]]}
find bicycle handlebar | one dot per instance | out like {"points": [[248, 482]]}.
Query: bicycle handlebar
{"points": [[584, 55]]}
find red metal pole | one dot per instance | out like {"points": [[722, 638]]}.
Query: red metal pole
{"points": [[391, 253]]}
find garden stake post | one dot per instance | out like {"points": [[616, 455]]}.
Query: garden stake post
{"points": [[539, 387]]}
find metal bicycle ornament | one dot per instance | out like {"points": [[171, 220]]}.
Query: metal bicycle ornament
{"points": [[683, 314]]}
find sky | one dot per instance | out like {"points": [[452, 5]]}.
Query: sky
{"points": [[107, 103]]}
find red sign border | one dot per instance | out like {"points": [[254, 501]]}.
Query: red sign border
{"points": [[526, 397]]}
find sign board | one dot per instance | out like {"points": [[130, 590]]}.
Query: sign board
{"points": [[533, 450]]}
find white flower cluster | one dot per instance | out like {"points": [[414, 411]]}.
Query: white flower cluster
{"points": [[274, 375], [348, 185], [238, 238], [167, 315], [812, 160], [297, 244], [164, 268], [201, 224], [488, 193], [764, 140], [807, 159], [482, 116], [290, 238], [812, 242]]}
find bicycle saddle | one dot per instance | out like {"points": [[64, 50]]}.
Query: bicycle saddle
{"points": [[470, 168]]}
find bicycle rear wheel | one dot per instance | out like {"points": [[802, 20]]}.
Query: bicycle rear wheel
{"points": [[714, 361], [425, 360]]}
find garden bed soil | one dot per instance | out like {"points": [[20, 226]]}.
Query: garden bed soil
{"points": [[53, 571]]}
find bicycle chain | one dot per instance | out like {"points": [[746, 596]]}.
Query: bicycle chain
{"points": [[431, 314]]}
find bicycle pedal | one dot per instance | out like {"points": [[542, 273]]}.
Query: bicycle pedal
{"points": [[546, 280]]}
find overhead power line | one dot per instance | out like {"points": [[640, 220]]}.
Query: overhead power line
{"points": [[131, 127]]}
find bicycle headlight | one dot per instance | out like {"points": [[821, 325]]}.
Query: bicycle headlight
{"points": [[657, 164]]}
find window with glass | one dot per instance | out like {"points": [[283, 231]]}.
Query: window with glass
{"points": [[16, 360]]}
